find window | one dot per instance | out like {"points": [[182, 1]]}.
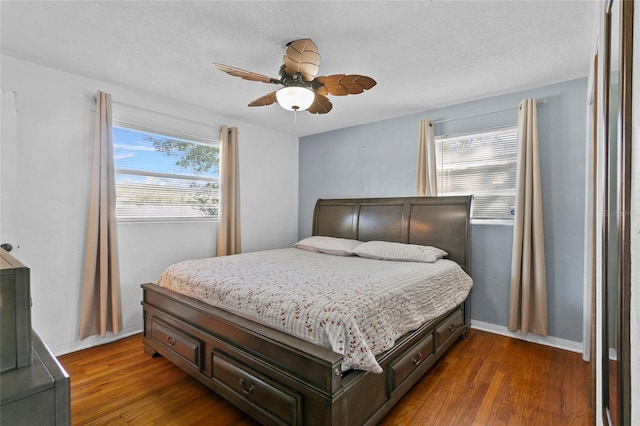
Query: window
{"points": [[482, 164], [160, 176]]}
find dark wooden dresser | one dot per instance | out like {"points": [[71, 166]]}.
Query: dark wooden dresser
{"points": [[34, 388]]}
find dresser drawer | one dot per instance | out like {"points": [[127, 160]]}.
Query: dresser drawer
{"points": [[274, 403], [411, 361], [177, 341], [449, 326]]}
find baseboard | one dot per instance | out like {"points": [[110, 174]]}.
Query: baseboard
{"points": [[555, 342], [95, 340]]}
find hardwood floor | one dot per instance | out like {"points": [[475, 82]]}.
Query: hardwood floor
{"points": [[485, 379]]}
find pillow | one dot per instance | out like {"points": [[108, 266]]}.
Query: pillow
{"points": [[385, 250], [328, 245]]}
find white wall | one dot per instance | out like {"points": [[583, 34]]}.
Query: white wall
{"points": [[52, 151]]}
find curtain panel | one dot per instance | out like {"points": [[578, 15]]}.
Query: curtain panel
{"points": [[229, 213], [528, 296], [426, 170], [101, 309]]}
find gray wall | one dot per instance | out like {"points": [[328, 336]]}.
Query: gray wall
{"points": [[379, 159]]}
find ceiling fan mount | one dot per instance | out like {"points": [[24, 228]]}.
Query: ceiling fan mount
{"points": [[295, 80], [299, 70]]}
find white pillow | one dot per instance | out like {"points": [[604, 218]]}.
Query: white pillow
{"points": [[385, 250], [328, 245]]}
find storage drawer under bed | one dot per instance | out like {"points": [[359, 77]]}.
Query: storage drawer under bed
{"points": [[452, 323], [177, 341], [412, 360], [272, 402], [421, 353]]}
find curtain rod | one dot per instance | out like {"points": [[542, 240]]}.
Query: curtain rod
{"points": [[543, 101]]}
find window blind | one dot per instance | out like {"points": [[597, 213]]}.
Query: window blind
{"points": [[482, 164], [163, 176]]}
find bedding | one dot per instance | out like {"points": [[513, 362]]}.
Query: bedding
{"points": [[355, 306]]}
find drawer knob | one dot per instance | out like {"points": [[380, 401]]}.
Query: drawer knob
{"points": [[452, 327], [417, 359], [171, 340], [246, 390]]}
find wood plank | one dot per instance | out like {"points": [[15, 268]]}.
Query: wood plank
{"points": [[484, 379]]}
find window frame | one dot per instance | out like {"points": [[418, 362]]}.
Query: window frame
{"points": [[469, 134], [169, 134]]}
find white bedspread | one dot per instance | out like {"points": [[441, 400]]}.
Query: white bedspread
{"points": [[357, 307]]}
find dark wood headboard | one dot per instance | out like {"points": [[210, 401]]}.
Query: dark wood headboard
{"points": [[441, 222]]}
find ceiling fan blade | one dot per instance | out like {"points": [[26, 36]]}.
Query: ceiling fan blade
{"points": [[265, 100], [321, 90], [320, 105], [302, 58], [341, 84], [246, 75]]}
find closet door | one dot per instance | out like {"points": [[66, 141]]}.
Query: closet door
{"points": [[616, 189]]}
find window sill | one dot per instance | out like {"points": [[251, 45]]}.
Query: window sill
{"points": [[502, 222]]}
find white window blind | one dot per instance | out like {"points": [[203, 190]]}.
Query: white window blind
{"points": [[482, 164], [160, 176]]}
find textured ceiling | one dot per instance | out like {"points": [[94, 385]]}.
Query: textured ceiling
{"points": [[423, 54]]}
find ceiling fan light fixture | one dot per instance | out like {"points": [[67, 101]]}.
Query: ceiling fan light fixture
{"points": [[295, 98]]}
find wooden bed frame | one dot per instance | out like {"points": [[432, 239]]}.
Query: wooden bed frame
{"points": [[280, 379]]}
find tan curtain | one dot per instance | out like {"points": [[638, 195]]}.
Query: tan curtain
{"points": [[426, 172], [229, 214], [101, 307], [528, 298]]}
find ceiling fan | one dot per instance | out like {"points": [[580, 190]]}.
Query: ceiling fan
{"points": [[302, 89]]}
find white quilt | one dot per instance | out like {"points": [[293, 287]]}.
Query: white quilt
{"points": [[355, 306]]}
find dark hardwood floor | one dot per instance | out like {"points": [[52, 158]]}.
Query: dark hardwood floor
{"points": [[485, 379]]}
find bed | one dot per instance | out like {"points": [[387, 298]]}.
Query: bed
{"points": [[278, 378]]}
